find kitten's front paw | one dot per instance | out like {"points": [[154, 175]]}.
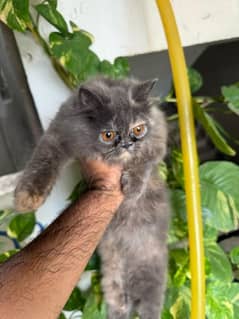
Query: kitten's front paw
{"points": [[26, 201]]}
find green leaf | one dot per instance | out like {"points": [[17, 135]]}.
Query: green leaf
{"points": [[220, 202], [92, 310], [234, 255], [179, 266], [220, 267], [53, 3], [121, 67], [178, 227], [163, 171], [178, 202], [166, 314], [3, 4], [21, 226], [76, 301], [91, 65], [79, 189], [96, 286], [182, 305], [210, 127], [231, 97], [195, 80], [22, 9], [219, 192], [171, 296], [15, 13], [75, 29], [5, 214], [103, 311], [2, 214], [54, 17], [94, 262], [176, 169], [73, 53], [107, 68], [209, 233], [222, 300], [7, 254]]}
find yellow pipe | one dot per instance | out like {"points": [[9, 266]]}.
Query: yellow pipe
{"points": [[190, 159]]}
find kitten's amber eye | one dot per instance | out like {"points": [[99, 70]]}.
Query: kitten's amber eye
{"points": [[139, 131], [107, 136]]}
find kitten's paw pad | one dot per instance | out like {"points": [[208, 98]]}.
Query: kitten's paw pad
{"points": [[125, 182], [26, 202]]}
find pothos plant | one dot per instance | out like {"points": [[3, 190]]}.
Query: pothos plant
{"points": [[71, 55]]}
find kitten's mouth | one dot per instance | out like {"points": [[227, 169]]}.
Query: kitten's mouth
{"points": [[126, 154], [121, 154]]}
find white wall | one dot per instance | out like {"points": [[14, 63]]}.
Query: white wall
{"points": [[199, 21], [129, 27]]}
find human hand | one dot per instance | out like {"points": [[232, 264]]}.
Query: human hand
{"points": [[102, 176]]}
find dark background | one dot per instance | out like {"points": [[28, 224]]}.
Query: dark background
{"points": [[20, 127]]}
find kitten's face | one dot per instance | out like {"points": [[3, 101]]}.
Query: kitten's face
{"points": [[121, 125]]}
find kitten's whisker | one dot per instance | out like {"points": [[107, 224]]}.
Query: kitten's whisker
{"points": [[105, 153], [108, 153]]}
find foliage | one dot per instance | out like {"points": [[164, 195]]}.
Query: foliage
{"points": [[21, 226], [210, 126], [205, 106], [219, 182], [69, 49], [231, 96], [15, 13], [220, 207], [195, 80]]}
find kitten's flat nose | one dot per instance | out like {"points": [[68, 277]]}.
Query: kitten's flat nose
{"points": [[126, 145]]}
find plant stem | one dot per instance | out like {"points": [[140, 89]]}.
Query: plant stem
{"points": [[172, 117], [203, 100], [32, 27], [198, 99]]}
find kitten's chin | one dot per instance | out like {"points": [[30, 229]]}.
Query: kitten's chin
{"points": [[122, 158], [125, 156]]}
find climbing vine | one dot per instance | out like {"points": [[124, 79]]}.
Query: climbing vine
{"points": [[69, 47]]}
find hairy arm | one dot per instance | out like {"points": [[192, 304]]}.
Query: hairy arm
{"points": [[36, 282]]}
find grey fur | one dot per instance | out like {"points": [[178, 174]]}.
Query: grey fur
{"points": [[133, 248]]}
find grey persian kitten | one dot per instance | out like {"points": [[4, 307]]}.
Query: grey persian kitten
{"points": [[114, 120]]}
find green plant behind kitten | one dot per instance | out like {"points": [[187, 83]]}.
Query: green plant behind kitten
{"points": [[114, 120]]}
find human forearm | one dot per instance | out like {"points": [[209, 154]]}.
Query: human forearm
{"points": [[37, 281]]}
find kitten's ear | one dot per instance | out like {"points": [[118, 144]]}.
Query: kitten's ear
{"points": [[90, 97], [141, 91]]}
